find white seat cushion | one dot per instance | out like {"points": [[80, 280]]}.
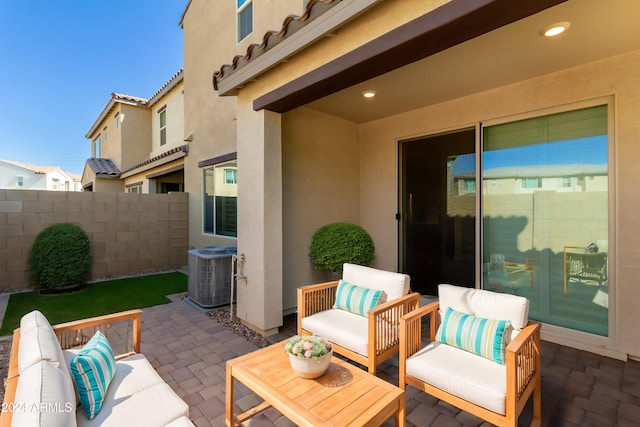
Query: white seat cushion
{"points": [[181, 422], [469, 376], [395, 285], [154, 406], [133, 374], [340, 327]]}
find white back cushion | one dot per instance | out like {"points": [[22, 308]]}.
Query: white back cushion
{"points": [[44, 397], [393, 284], [37, 344], [487, 304], [34, 319]]}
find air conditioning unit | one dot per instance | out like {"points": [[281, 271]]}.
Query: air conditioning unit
{"points": [[210, 271]]}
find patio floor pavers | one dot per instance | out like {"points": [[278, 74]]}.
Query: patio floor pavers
{"points": [[189, 349]]}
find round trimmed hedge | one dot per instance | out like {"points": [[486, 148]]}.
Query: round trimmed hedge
{"points": [[60, 256], [334, 244]]}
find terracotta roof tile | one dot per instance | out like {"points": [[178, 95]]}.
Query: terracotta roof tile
{"points": [[103, 167], [184, 148], [291, 24]]}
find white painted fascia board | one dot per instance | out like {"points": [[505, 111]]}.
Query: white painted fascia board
{"points": [[318, 28], [155, 164]]}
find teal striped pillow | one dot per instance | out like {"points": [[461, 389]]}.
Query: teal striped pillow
{"points": [[484, 337], [93, 369], [357, 300]]}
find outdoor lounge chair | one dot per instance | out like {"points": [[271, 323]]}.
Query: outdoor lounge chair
{"points": [[484, 358], [368, 337]]}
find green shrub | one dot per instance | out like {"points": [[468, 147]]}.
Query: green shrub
{"points": [[334, 244], [60, 256]]}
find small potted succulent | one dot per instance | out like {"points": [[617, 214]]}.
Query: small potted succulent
{"points": [[309, 355]]}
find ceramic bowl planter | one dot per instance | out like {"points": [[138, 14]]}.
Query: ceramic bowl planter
{"points": [[310, 368], [309, 355]]}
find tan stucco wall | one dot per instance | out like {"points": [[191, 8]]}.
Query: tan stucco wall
{"points": [[209, 30], [615, 76], [108, 185], [320, 185], [135, 136], [174, 101], [129, 233]]}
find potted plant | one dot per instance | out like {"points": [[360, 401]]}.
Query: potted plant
{"points": [[60, 258], [309, 355], [334, 244]]}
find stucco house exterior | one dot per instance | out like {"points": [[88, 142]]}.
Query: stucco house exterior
{"points": [[458, 88], [21, 176], [137, 144]]}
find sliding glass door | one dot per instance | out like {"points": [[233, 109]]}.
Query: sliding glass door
{"points": [[545, 215]]}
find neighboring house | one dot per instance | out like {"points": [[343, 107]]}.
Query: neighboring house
{"points": [[137, 144], [354, 110], [20, 176]]}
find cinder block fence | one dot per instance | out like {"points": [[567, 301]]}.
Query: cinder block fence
{"points": [[129, 233]]}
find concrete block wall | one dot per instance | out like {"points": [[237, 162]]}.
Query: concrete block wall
{"points": [[129, 233]]}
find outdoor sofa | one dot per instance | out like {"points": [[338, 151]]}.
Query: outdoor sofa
{"points": [[44, 377]]}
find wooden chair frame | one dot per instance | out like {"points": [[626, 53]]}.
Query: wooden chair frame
{"points": [[70, 334], [522, 364], [383, 340]]}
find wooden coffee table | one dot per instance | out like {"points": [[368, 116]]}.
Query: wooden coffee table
{"points": [[344, 396]]}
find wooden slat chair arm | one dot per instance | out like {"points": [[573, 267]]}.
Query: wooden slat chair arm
{"points": [[384, 322], [523, 364], [79, 332], [315, 298]]}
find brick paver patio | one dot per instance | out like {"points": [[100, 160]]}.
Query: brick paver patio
{"points": [[189, 350]]}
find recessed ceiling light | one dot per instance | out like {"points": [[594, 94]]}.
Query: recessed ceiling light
{"points": [[369, 93], [555, 29]]}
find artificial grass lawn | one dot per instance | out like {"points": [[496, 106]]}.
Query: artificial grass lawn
{"points": [[95, 299]]}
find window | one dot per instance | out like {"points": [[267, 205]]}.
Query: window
{"points": [[163, 127], [245, 18], [135, 190], [231, 176], [55, 183], [221, 199], [20, 182], [532, 183], [117, 116], [527, 235], [96, 147], [104, 133]]}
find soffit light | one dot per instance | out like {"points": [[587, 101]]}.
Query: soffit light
{"points": [[555, 29], [369, 94]]}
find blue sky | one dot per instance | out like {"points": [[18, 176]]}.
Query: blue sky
{"points": [[61, 60]]}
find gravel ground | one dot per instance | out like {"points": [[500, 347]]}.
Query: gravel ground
{"points": [[223, 316], [5, 350]]}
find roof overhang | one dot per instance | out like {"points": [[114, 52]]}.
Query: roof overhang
{"points": [[162, 159], [444, 27], [320, 19]]}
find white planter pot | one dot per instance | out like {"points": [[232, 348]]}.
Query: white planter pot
{"points": [[310, 368]]}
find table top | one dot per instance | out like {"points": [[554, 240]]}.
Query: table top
{"points": [[345, 395]]}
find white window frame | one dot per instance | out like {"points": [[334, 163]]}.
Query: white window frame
{"points": [[163, 128], [241, 6]]}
